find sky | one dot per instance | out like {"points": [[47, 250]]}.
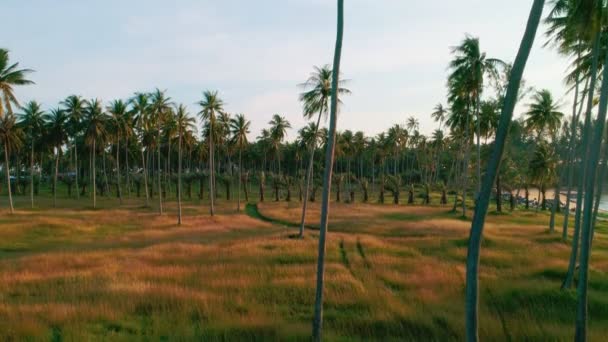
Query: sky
{"points": [[255, 53]]}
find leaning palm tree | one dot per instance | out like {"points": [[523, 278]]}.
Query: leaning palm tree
{"points": [[95, 131], [211, 106], [32, 123], [10, 76], [117, 111], [11, 137], [73, 106], [185, 124], [278, 132], [317, 325], [57, 135], [316, 100], [510, 99], [159, 107], [239, 126]]}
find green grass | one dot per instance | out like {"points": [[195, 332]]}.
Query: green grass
{"points": [[392, 273]]}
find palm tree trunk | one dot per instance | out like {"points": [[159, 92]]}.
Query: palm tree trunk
{"points": [[145, 172], [32, 176], [118, 169], [55, 178], [159, 168], [472, 265], [179, 179], [478, 144], [127, 166], [238, 201], [8, 178], [600, 188], [94, 185], [313, 147], [465, 167], [76, 163], [211, 175], [590, 178], [579, 196], [317, 326]]}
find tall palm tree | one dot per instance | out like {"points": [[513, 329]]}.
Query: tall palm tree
{"points": [[278, 132], [439, 114], [159, 107], [543, 114], [73, 105], [185, 124], [211, 106], [95, 131], [117, 110], [10, 76], [140, 105], [315, 100], [466, 83], [239, 127], [11, 137], [474, 246], [31, 121], [57, 135], [317, 325]]}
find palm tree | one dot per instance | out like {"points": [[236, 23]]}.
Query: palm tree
{"points": [[11, 136], [439, 114], [95, 131], [543, 114], [31, 120], [141, 107], [278, 132], [73, 106], [10, 76], [315, 100], [329, 161], [159, 106], [117, 110], [239, 127], [542, 169], [185, 123], [57, 135], [474, 246], [211, 105]]}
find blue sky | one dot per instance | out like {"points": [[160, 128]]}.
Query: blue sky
{"points": [[256, 52]]}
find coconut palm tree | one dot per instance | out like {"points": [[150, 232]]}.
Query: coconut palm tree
{"points": [[11, 137], [317, 325], [315, 100], [474, 246], [95, 132], [278, 132], [10, 76], [185, 124], [140, 104], [117, 111], [57, 135], [32, 122], [439, 114], [160, 105], [211, 106], [239, 128], [73, 106], [543, 114]]}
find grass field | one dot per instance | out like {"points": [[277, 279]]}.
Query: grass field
{"points": [[393, 273]]}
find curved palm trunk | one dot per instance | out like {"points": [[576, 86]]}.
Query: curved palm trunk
{"points": [[587, 228], [8, 179], [55, 179], [317, 325], [32, 176], [472, 270], [145, 172], [579, 196], [179, 179], [309, 175]]}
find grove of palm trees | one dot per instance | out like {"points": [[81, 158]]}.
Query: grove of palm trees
{"points": [[149, 218]]}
